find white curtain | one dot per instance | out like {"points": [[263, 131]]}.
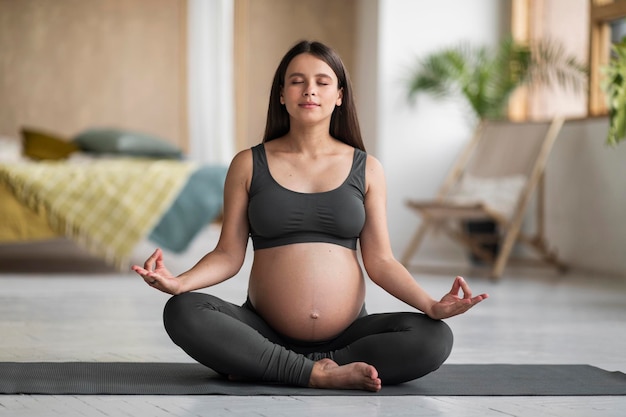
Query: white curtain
{"points": [[210, 78]]}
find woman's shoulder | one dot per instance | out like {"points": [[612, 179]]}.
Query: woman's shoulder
{"points": [[372, 163], [374, 172], [243, 155], [242, 161]]}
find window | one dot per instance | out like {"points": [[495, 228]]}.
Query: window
{"points": [[607, 25], [587, 28], [565, 22]]}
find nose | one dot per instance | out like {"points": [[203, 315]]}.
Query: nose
{"points": [[308, 92]]}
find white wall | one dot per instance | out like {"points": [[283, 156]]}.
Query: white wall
{"points": [[418, 144], [586, 198]]}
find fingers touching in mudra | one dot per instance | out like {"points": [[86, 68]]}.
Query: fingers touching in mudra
{"points": [[155, 274], [457, 301]]}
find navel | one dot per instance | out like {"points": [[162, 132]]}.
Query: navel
{"points": [[314, 315]]}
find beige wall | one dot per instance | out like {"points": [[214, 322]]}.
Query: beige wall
{"points": [[264, 31], [67, 65]]}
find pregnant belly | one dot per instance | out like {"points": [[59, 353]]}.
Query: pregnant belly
{"points": [[309, 295]]}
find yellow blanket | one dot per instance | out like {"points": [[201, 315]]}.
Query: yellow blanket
{"points": [[18, 223], [107, 206]]}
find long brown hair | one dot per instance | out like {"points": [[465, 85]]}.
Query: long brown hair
{"points": [[344, 123]]}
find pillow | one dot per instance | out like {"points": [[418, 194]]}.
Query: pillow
{"points": [[124, 142], [41, 145], [10, 149], [500, 194]]}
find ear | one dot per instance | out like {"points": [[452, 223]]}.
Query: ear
{"points": [[282, 100], [339, 97]]}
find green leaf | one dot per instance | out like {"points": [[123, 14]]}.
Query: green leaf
{"points": [[486, 78], [614, 86]]}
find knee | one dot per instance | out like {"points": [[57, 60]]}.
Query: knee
{"points": [[179, 311], [188, 301], [443, 339], [175, 312], [436, 330], [423, 345], [176, 306], [434, 339]]}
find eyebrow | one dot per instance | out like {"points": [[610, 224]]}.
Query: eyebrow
{"points": [[299, 74]]}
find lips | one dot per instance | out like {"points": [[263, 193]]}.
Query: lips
{"points": [[308, 105]]}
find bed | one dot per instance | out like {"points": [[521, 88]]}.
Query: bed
{"points": [[106, 195]]}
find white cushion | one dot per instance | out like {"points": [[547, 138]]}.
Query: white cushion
{"points": [[499, 194]]}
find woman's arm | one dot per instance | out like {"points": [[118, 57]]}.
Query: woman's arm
{"points": [[386, 271], [226, 259]]}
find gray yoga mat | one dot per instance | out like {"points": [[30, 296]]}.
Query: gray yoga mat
{"points": [[156, 378]]}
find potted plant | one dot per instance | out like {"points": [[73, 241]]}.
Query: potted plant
{"points": [[614, 85], [486, 78]]}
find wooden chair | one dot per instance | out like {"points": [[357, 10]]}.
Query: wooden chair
{"points": [[494, 180]]}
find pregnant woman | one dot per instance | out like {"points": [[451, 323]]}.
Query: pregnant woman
{"points": [[306, 196]]}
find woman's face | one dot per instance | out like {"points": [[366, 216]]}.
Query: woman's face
{"points": [[311, 91]]}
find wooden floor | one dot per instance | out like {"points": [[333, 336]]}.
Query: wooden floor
{"points": [[60, 307]]}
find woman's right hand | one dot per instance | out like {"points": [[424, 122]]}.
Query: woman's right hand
{"points": [[155, 274]]}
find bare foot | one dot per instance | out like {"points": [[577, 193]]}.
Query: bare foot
{"points": [[357, 375]]}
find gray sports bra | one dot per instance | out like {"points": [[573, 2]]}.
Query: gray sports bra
{"points": [[279, 216]]}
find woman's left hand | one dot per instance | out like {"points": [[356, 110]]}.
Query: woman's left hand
{"points": [[453, 304]]}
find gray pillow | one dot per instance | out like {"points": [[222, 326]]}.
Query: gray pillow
{"points": [[125, 142]]}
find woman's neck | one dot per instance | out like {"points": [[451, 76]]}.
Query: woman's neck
{"points": [[310, 139]]}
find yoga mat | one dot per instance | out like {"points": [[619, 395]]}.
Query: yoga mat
{"points": [[156, 378]]}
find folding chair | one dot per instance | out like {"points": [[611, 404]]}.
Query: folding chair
{"points": [[494, 180]]}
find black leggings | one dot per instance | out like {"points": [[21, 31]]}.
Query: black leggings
{"points": [[235, 340]]}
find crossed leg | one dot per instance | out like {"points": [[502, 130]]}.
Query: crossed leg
{"points": [[236, 341]]}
